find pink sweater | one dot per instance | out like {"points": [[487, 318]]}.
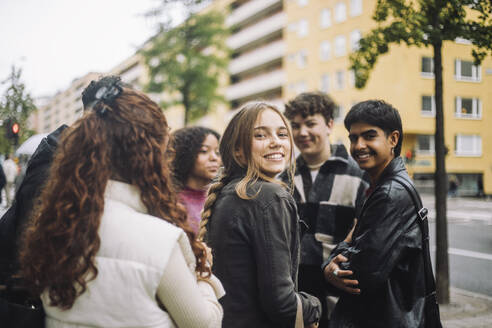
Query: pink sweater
{"points": [[193, 200]]}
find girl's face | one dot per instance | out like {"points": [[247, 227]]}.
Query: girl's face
{"points": [[271, 145], [207, 162]]}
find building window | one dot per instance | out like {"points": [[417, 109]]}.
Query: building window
{"points": [[325, 82], [428, 106], [466, 71], [298, 87], [302, 3], [340, 46], [468, 108], [302, 28], [340, 12], [340, 78], [325, 18], [468, 145], [301, 87], [351, 75], [462, 41], [354, 40], [324, 50], [355, 7], [302, 58], [425, 144], [338, 113], [427, 67], [292, 27]]}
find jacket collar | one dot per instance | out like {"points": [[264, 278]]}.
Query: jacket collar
{"points": [[392, 169], [125, 193], [338, 154]]}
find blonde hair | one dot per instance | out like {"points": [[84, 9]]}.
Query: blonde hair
{"points": [[237, 139]]}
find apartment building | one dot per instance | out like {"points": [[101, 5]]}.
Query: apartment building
{"points": [[63, 108], [283, 47], [319, 37]]}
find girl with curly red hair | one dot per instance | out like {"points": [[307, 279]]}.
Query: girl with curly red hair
{"points": [[109, 245]]}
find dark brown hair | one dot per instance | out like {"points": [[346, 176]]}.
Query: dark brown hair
{"points": [[311, 103], [124, 140]]}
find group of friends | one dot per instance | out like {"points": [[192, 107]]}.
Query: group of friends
{"points": [[135, 226]]}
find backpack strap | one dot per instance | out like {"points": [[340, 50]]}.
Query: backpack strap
{"points": [[422, 212]]}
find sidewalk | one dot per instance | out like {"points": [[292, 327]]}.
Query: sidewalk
{"points": [[467, 310]]}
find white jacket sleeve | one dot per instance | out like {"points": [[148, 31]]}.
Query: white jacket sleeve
{"points": [[189, 302]]}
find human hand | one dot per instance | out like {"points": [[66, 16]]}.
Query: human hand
{"points": [[336, 277]]}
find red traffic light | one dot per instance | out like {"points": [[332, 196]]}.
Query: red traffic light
{"points": [[15, 128]]}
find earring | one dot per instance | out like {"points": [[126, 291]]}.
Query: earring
{"points": [[392, 150]]}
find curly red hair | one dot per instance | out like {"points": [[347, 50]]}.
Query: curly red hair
{"points": [[125, 141]]}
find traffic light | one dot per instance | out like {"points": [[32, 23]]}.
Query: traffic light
{"points": [[12, 129], [15, 129]]}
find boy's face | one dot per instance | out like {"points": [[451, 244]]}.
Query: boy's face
{"points": [[311, 134], [371, 147]]}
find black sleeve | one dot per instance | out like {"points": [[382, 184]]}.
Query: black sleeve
{"points": [[12, 222], [272, 248], [380, 239]]}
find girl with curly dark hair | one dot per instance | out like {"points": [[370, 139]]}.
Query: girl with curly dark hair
{"points": [[250, 220], [195, 164], [109, 245]]}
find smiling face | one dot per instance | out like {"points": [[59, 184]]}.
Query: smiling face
{"points": [[372, 148], [311, 136], [271, 145], [207, 163]]}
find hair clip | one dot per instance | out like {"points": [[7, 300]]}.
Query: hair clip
{"points": [[107, 89], [108, 94]]}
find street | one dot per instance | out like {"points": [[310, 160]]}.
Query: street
{"points": [[470, 242]]}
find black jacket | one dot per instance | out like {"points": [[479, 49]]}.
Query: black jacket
{"points": [[255, 246], [386, 257], [12, 222]]}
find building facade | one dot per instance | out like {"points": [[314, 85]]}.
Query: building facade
{"points": [[283, 47]]}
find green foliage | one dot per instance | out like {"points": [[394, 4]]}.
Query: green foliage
{"points": [[186, 62], [15, 104], [423, 23]]}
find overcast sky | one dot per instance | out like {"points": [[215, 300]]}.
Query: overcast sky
{"points": [[56, 41]]}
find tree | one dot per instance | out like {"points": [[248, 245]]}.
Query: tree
{"points": [[425, 23], [16, 104], [187, 62]]}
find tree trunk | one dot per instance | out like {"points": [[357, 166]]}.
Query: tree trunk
{"points": [[440, 179], [186, 105]]}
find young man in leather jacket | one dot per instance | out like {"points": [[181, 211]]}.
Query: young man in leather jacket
{"points": [[379, 267]]}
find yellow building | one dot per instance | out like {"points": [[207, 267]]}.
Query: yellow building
{"points": [[283, 47], [319, 37]]}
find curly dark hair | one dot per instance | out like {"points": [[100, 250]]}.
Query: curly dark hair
{"points": [[123, 139], [185, 144], [311, 103]]}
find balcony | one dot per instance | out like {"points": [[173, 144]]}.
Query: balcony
{"points": [[249, 10], [256, 85], [257, 31], [257, 57]]}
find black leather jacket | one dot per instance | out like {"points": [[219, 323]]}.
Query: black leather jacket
{"points": [[255, 247], [13, 221], [386, 257]]}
